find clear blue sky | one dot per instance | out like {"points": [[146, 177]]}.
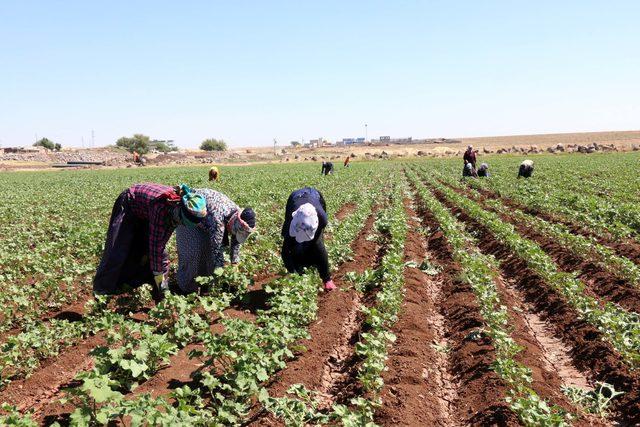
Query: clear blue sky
{"points": [[251, 71]]}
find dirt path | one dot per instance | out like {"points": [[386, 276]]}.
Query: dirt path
{"points": [[419, 389], [480, 392], [325, 361], [35, 392], [589, 352], [600, 282]]}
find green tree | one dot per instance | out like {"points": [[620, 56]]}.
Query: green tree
{"points": [[295, 144], [137, 142], [46, 143], [164, 147], [57, 146], [212, 144]]}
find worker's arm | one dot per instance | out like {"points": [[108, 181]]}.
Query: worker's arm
{"points": [[321, 260]]}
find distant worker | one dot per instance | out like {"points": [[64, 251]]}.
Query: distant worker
{"points": [[327, 168], [526, 169], [483, 171], [346, 161], [214, 173], [469, 171], [201, 249], [136, 157], [470, 156], [142, 220], [302, 230]]}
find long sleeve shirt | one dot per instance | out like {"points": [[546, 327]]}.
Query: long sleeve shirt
{"points": [[220, 208], [299, 198], [153, 203], [470, 157], [297, 256]]}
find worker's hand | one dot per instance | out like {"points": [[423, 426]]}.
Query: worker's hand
{"points": [[161, 282], [329, 285]]}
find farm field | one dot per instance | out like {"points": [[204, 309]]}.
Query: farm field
{"points": [[498, 301]]}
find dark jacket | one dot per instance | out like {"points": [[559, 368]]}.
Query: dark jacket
{"points": [[299, 198], [327, 167], [298, 256], [470, 157]]}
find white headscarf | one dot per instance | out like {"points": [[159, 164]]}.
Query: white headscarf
{"points": [[304, 223]]}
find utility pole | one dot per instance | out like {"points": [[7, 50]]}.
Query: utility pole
{"points": [[93, 138], [83, 142], [275, 150], [366, 133]]}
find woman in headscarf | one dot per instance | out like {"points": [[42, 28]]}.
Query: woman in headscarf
{"points": [[304, 221], [526, 169], [214, 173], [327, 168], [483, 171], [201, 249], [142, 220]]}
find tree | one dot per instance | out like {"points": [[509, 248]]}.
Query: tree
{"points": [[138, 143], [164, 147], [212, 144], [295, 144], [57, 147], [46, 143]]}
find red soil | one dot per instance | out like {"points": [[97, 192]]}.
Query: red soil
{"points": [[345, 210], [599, 281], [418, 389], [337, 316], [481, 393], [589, 351], [628, 248]]}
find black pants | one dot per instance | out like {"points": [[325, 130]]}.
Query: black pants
{"points": [[126, 251], [298, 256]]}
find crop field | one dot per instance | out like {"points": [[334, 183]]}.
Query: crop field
{"points": [[496, 301]]}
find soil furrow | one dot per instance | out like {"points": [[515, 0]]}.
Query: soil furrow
{"points": [[178, 371], [331, 334], [481, 393], [589, 351], [625, 247], [419, 389], [35, 392], [602, 283]]}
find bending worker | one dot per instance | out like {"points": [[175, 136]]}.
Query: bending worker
{"points": [[214, 173], [142, 221], [201, 249], [327, 168], [526, 169], [483, 170], [304, 223]]}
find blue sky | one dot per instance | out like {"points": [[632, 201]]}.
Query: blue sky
{"points": [[251, 71]]}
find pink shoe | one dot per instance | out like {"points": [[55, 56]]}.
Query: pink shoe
{"points": [[329, 286]]}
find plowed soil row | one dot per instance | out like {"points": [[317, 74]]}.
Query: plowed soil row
{"points": [[480, 393], [419, 388], [41, 391], [180, 368], [328, 360], [599, 281], [626, 247], [588, 350]]}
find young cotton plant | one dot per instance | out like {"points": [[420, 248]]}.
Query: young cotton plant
{"points": [[136, 353]]}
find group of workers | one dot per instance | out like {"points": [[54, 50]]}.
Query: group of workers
{"points": [[144, 216], [469, 169], [206, 222]]}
